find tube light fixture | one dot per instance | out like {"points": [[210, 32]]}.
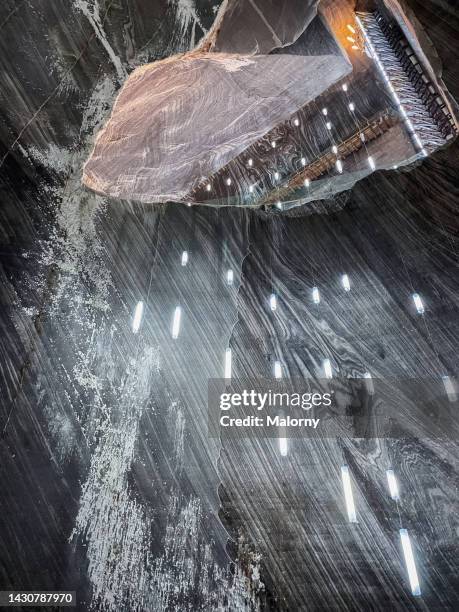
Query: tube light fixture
{"points": [[283, 446], [328, 125], [339, 165], [335, 149], [410, 563], [315, 295], [350, 28], [371, 163], [276, 176], [184, 258], [351, 107], [449, 388], [229, 277], [355, 47], [326, 364], [369, 386], [250, 162], [273, 144], [307, 182], [303, 161], [279, 205], [324, 112], [348, 497], [296, 122], [273, 301], [228, 181], [277, 369], [346, 282], [350, 39], [228, 363], [176, 322], [137, 319], [344, 86], [418, 303], [393, 485], [208, 187], [250, 188]]}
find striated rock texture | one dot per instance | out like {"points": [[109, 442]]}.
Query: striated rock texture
{"points": [[178, 121], [259, 26], [109, 483]]}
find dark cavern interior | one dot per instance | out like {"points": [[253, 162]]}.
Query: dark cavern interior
{"points": [[253, 192]]}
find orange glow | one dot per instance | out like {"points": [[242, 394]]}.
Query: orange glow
{"points": [[354, 47], [349, 27], [350, 39]]}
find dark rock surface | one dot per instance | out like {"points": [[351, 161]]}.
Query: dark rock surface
{"points": [[259, 26], [109, 483]]}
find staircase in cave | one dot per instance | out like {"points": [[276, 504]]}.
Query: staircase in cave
{"points": [[423, 104]]}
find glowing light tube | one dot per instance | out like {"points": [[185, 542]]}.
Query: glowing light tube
{"points": [[392, 484], [369, 386], [303, 161], [315, 295], [307, 182], [229, 277], [335, 149], [279, 205], [296, 122], [273, 301], [346, 282], [344, 87], [228, 181], [328, 125], [277, 369], [328, 372], [228, 363], [409, 562], [348, 497], [449, 388], [184, 258], [324, 112], [137, 319], [276, 176], [176, 322], [351, 107], [208, 187], [418, 303], [339, 165], [371, 163], [283, 446], [250, 162]]}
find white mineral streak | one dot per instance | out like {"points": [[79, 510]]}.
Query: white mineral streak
{"points": [[54, 158], [187, 18], [74, 247], [91, 10], [111, 522], [177, 424], [186, 569]]}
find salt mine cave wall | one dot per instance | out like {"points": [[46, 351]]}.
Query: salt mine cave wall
{"points": [[110, 485]]}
